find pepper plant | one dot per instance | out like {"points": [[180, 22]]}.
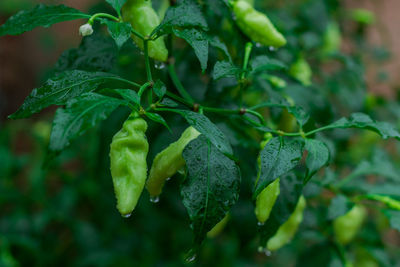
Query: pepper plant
{"points": [[270, 104]]}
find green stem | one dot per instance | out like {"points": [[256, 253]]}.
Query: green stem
{"points": [[179, 99], [328, 127], [147, 60], [137, 34], [125, 81], [258, 115], [143, 88], [267, 105], [178, 84], [102, 15], [346, 180], [221, 110]]}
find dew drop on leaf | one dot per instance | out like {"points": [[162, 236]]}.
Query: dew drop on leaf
{"points": [[154, 199], [260, 223], [258, 45], [127, 215], [159, 65], [191, 257], [271, 48], [264, 251]]}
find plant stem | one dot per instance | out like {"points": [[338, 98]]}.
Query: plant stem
{"points": [[126, 81], [143, 88], [328, 127], [147, 60], [258, 115], [102, 15], [178, 84], [179, 99], [137, 34], [221, 110]]}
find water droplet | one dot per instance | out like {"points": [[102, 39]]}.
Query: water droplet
{"points": [[260, 223], [169, 178], [154, 199], [191, 257], [264, 251], [127, 215], [258, 45], [159, 65], [267, 252], [271, 48]]}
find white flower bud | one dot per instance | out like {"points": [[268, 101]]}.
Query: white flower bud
{"points": [[86, 30]]}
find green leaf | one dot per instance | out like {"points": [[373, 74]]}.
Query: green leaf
{"points": [[380, 165], [202, 124], [394, 218], [159, 88], [264, 63], [185, 14], [278, 157], [317, 157], [216, 42], [169, 102], [157, 118], [223, 69], [363, 121], [95, 53], [79, 115], [339, 206], [291, 187], [211, 187], [117, 5], [299, 113], [198, 41], [129, 95], [385, 188], [120, 32], [41, 15], [59, 89]]}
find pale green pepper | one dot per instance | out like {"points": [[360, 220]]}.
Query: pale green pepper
{"points": [[168, 162], [301, 71], [265, 201], [144, 20], [128, 154], [256, 25], [287, 230], [348, 225]]}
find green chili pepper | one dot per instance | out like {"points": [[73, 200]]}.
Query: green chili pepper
{"points": [[256, 25], [265, 201], [363, 16], [287, 230], [144, 20], [219, 227], [332, 39], [162, 9], [301, 71], [276, 81], [168, 162], [347, 226], [128, 153]]}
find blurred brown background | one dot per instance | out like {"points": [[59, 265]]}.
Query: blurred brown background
{"points": [[25, 58]]}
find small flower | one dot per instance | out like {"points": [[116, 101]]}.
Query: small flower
{"points": [[86, 30]]}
